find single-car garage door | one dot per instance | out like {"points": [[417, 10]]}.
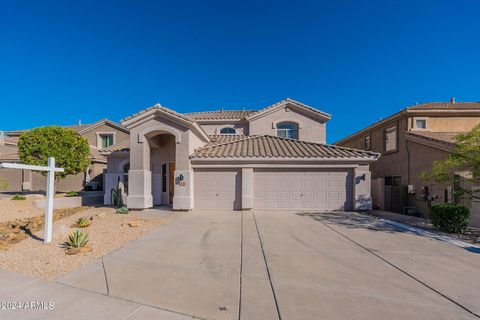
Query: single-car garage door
{"points": [[217, 189], [314, 189]]}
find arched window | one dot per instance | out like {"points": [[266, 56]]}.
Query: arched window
{"points": [[287, 130], [227, 131]]}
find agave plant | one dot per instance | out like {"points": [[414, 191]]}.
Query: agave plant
{"points": [[77, 239], [82, 223]]}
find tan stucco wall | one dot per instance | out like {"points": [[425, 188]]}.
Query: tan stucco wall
{"points": [[398, 163], [214, 128], [311, 129], [105, 128], [451, 124]]}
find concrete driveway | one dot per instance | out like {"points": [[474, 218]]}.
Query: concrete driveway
{"points": [[283, 265]]}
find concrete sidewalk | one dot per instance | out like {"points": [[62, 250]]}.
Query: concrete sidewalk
{"points": [[27, 298]]}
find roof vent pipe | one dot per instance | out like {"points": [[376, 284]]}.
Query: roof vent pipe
{"points": [[452, 100]]}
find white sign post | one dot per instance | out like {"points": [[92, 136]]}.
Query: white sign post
{"points": [[47, 237]]}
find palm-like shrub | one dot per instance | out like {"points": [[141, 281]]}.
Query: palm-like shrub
{"points": [[77, 239], [82, 223]]}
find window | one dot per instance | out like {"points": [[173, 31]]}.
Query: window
{"points": [[420, 123], [126, 168], [164, 177], [367, 145], [287, 130], [106, 140], [390, 139], [227, 131]]}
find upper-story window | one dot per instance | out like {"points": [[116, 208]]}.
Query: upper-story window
{"points": [[227, 131], [420, 123], [287, 130], [105, 140], [367, 143], [390, 139]]}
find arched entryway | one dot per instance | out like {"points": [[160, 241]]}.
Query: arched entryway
{"points": [[162, 165]]}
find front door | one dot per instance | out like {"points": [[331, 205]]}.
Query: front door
{"points": [[171, 181]]}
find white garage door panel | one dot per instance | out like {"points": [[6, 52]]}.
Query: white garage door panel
{"points": [[315, 189], [217, 189]]}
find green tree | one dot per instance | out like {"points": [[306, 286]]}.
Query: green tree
{"points": [[464, 159], [70, 150]]}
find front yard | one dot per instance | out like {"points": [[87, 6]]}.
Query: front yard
{"points": [[21, 236]]}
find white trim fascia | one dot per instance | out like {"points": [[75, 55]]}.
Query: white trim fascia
{"points": [[284, 165]]}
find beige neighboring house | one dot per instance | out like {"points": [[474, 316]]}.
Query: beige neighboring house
{"points": [[269, 159], [101, 134], [410, 141]]}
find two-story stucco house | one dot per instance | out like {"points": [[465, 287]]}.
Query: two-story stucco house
{"points": [[410, 141], [101, 134], [274, 158]]}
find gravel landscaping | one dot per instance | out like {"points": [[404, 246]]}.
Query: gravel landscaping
{"points": [[472, 235], [107, 232], [19, 209]]}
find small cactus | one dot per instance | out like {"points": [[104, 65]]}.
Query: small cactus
{"points": [[122, 210], [82, 223], [19, 197], [77, 239], [71, 194]]}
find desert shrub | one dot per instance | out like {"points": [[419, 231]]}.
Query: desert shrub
{"points": [[122, 210], [82, 223], [19, 197], [77, 239], [450, 217], [71, 194]]}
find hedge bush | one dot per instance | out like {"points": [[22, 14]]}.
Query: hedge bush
{"points": [[450, 217]]}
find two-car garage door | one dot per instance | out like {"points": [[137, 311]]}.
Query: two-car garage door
{"points": [[302, 189], [275, 189]]}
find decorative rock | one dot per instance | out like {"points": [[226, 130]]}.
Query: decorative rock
{"points": [[134, 223]]}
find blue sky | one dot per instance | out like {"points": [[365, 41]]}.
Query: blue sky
{"points": [[358, 60]]}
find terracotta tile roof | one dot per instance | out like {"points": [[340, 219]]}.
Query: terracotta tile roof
{"points": [[222, 138], [274, 147], [221, 114], [95, 155], [446, 106], [121, 146], [159, 107], [443, 137]]}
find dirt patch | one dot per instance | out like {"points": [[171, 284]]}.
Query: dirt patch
{"points": [[107, 232], [19, 209], [12, 232]]}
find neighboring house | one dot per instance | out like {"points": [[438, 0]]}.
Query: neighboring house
{"points": [[101, 134], [273, 159], [410, 141]]}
